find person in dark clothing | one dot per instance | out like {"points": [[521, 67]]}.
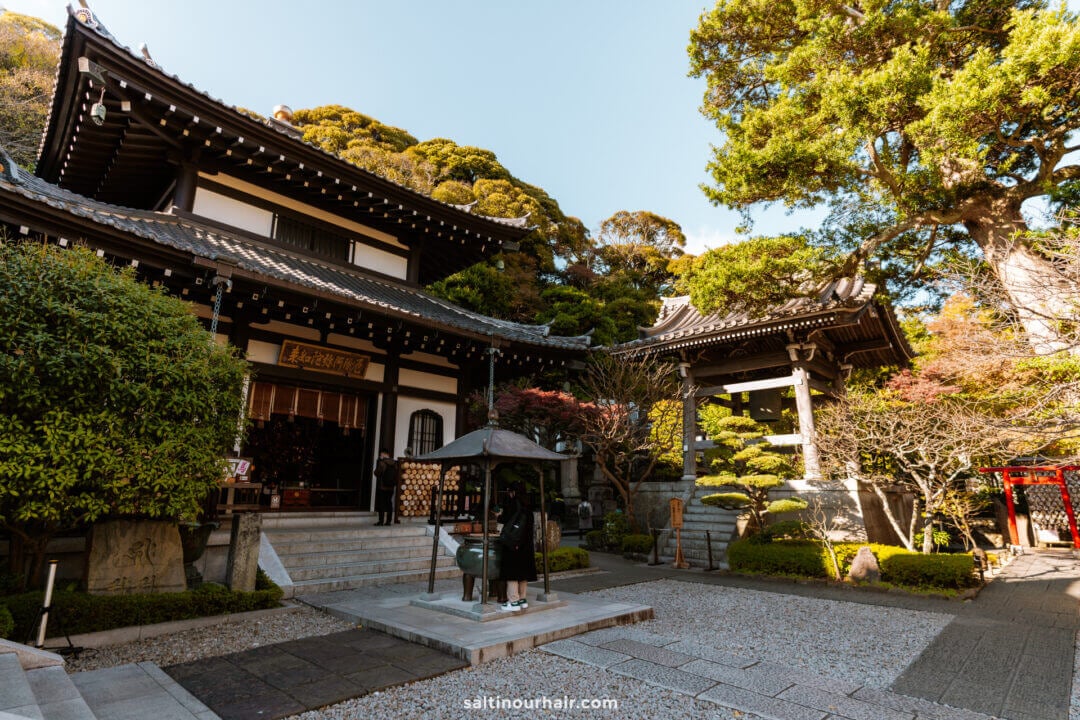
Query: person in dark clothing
{"points": [[385, 485], [518, 563]]}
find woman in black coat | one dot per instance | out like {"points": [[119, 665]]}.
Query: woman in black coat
{"points": [[518, 561]]}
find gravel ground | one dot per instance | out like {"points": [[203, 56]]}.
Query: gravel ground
{"points": [[524, 677], [867, 644], [822, 636], [1074, 699], [211, 640]]}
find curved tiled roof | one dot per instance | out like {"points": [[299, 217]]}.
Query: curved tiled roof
{"points": [[216, 244], [680, 325]]}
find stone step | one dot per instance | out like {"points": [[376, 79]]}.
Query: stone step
{"points": [[307, 587], [343, 533], [311, 519], [701, 525], [16, 694], [375, 567], [285, 547], [57, 696], [354, 555]]}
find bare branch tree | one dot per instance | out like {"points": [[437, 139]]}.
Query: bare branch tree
{"points": [[925, 447], [635, 421]]}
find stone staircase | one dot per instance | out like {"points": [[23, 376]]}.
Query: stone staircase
{"points": [[342, 551], [697, 518], [34, 684]]}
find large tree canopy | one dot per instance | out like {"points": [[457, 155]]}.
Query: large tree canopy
{"points": [[924, 124], [460, 175], [29, 49], [113, 398]]}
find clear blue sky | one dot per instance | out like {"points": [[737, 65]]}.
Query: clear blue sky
{"points": [[589, 99]]}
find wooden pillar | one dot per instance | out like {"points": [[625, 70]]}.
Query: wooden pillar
{"points": [[689, 423], [804, 405], [186, 177], [388, 421]]}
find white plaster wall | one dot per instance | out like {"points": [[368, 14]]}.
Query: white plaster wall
{"points": [[427, 381], [303, 208], [224, 209], [263, 352], [406, 406], [370, 258]]}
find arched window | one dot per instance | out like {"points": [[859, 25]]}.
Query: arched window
{"points": [[425, 431]]}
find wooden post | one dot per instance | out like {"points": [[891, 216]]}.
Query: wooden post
{"points": [[689, 419], [804, 404], [676, 506]]}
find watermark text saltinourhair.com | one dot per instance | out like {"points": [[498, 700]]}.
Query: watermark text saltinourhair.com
{"points": [[540, 702]]}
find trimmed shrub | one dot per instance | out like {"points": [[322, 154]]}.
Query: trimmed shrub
{"points": [[809, 558], [940, 570], [594, 540], [637, 543], [563, 558], [795, 557], [7, 623], [78, 612]]}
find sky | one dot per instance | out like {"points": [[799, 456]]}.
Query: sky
{"points": [[588, 99]]}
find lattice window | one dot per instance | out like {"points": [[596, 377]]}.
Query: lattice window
{"points": [[425, 431]]}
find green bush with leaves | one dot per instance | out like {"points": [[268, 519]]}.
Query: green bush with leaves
{"points": [[114, 400], [7, 623], [594, 540], [940, 570], [78, 612], [809, 558], [562, 559], [637, 544]]}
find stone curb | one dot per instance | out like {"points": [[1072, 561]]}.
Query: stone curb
{"points": [[119, 636]]}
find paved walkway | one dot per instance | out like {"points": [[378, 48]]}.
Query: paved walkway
{"points": [[1010, 652], [287, 678]]}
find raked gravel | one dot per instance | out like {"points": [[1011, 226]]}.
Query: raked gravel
{"points": [[866, 644]]}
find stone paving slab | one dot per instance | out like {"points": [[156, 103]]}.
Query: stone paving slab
{"points": [[138, 691], [275, 681], [588, 654], [841, 705], [663, 676], [394, 613], [760, 680], [1020, 631], [766, 689], [767, 707], [645, 651]]}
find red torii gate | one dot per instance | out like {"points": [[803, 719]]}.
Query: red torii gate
{"points": [[1036, 475]]}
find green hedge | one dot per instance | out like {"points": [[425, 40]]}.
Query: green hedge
{"points": [[7, 623], [638, 543], [808, 558], [564, 558], [941, 570], [78, 612]]}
